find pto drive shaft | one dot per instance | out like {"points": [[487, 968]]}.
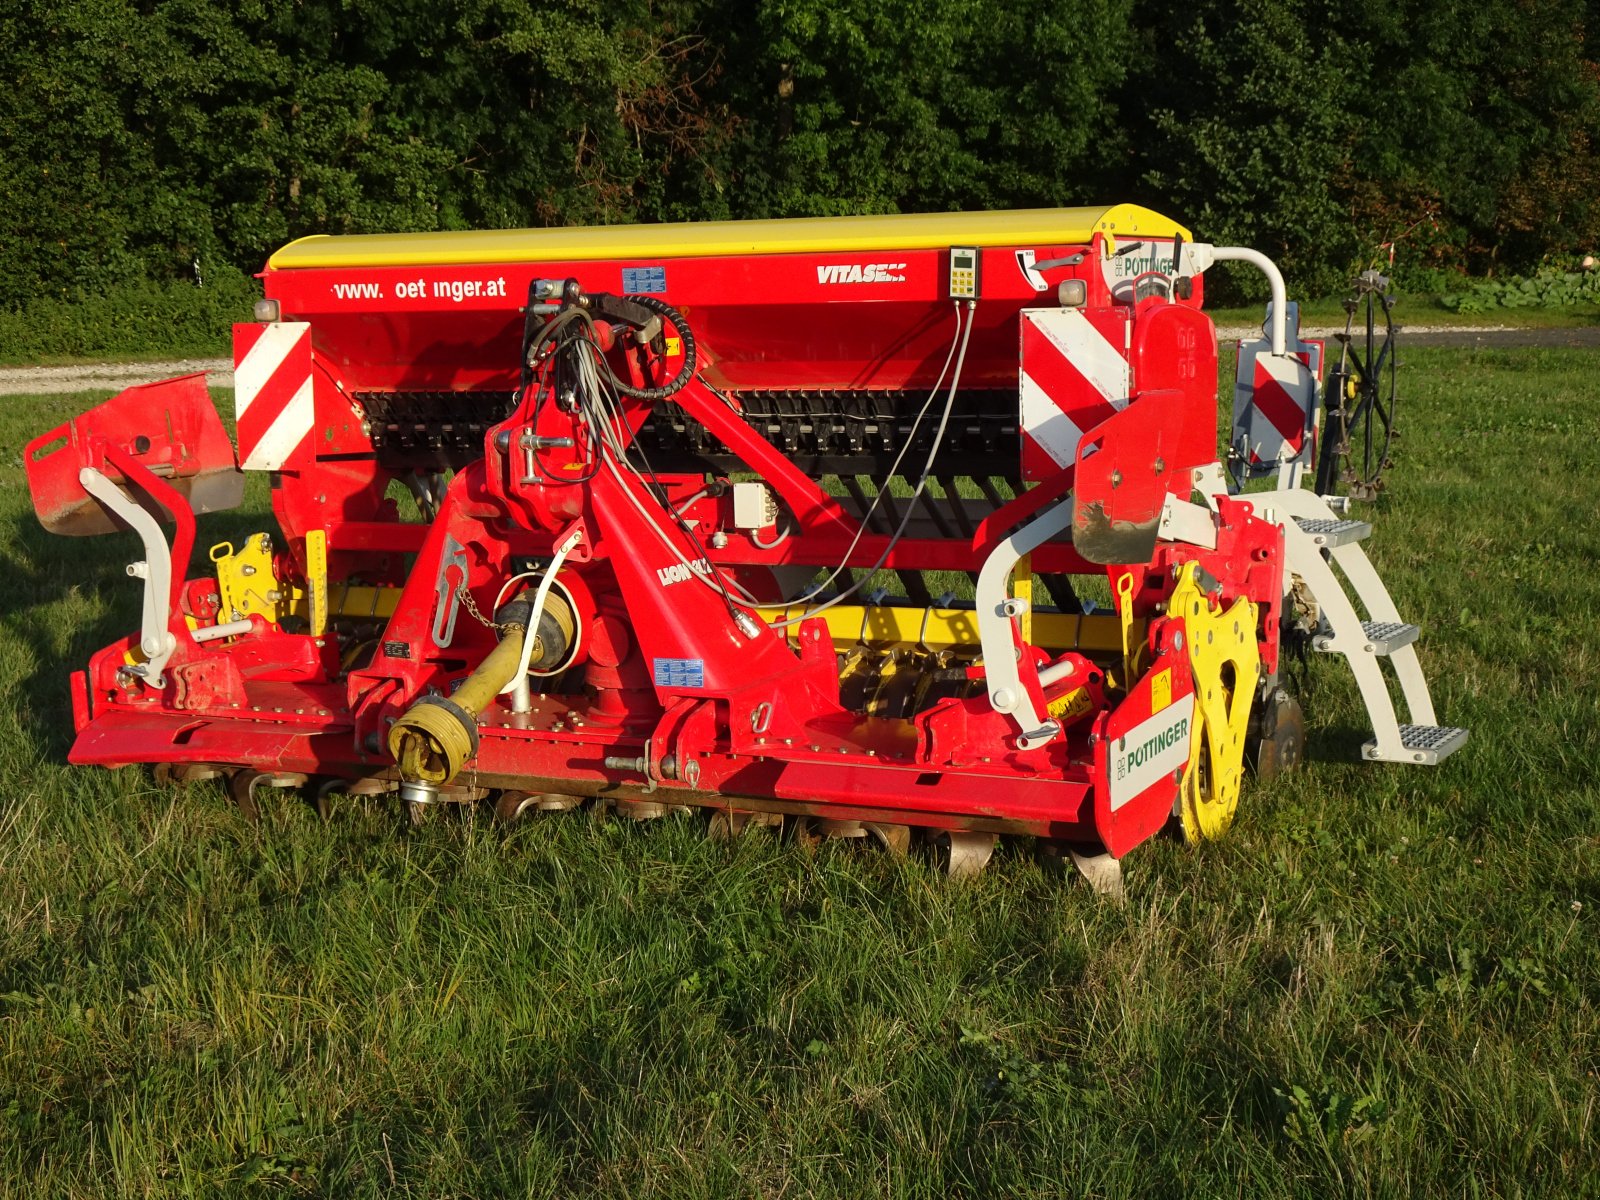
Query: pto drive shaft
{"points": [[438, 734]]}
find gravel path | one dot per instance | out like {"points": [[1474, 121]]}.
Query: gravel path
{"points": [[50, 381], [44, 381]]}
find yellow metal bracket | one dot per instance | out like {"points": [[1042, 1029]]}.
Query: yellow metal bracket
{"points": [[1132, 630], [317, 580], [1226, 662], [1022, 589], [245, 582], [247, 587]]}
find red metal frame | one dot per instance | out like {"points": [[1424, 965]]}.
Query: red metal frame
{"points": [[756, 720]]}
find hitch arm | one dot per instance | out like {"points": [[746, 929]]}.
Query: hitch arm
{"points": [[163, 568]]}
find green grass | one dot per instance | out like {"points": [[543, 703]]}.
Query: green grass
{"points": [[1381, 983], [1421, 310]]}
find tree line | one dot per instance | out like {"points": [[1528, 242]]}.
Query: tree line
{"points": [[165, 139]]}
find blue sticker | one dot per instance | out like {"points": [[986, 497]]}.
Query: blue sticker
{"points": [[644, 281], [680, 672]]}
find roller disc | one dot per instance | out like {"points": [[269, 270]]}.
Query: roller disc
{"points": [[1282, 738], [1100, 871], [725, 824], [173, 774], [639, 810], [804, 832], [647, 810], [963, 855], [809, 831]]}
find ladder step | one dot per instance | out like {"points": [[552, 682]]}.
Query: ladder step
{"points": [[1381, 637], [1425, 744], [1331, 533]]}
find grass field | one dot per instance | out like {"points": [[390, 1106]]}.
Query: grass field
{"points": [[1383, 982], [1421, 311]]}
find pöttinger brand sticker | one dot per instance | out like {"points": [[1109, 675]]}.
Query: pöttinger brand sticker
{"points": [[1157, 746]]}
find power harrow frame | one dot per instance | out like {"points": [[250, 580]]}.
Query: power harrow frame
{"points": [[553, 506]]}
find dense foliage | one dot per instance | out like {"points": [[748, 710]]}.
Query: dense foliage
{"points": [[1545, 289], [166, 138]]}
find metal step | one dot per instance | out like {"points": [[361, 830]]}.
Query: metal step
{"points": [[1425, 744], [1382, 637], [1330, 533]]}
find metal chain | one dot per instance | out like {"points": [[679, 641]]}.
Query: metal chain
{"points": [[471, 605]]}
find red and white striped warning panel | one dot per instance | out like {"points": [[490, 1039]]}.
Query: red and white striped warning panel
{"points": [[272, 393], [1075, 375], [1275, 401]]}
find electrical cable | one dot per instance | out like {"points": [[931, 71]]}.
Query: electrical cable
{"points": [[894, 467], [714, 580], [603, 417], [620, 452], [750, 601], [916, 494], [775, 542]]}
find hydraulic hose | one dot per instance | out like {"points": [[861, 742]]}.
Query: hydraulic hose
{"points": [[690, 355]]}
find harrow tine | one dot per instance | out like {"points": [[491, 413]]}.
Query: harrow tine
{"points": [[1062, 593], [244, 783], [916, 587], [858, 494], [322, 798], [990, 492], [956, 504], [889, 505], [936, 512], [1102, 872]]}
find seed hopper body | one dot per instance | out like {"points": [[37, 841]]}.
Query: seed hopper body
{"points": [[874, 525]]}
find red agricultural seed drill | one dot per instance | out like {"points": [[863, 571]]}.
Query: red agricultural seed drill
{"points": [[678, 516]]}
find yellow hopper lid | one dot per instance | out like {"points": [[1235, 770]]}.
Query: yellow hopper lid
{"points": [[705, 239]]}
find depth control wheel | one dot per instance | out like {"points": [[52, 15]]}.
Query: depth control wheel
{"points": [[1280, 739]]}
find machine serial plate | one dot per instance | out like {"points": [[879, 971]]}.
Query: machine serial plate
{"points": [[644, 281], [679, 672]]}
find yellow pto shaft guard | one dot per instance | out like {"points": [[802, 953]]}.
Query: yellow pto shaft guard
{"points": [[437, 735]]}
